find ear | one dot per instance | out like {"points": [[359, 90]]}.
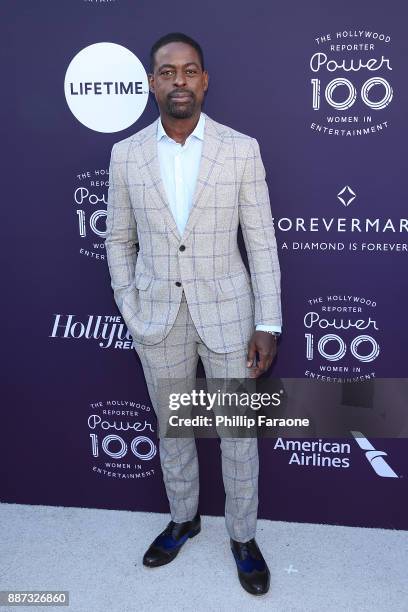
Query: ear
{"points": [[206, 79], [150, 76]]}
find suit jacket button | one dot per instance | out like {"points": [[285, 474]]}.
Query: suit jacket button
{"points": [[182, 247], [178, 284]]}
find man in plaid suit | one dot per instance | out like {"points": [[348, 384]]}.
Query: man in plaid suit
{"points": [[178, 190]]}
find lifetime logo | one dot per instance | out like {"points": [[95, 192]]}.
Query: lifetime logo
{"points": [[374, 457], [106, 88]]}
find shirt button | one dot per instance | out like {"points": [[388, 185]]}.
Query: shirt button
{"points": [[182, 247], [178, 284]]}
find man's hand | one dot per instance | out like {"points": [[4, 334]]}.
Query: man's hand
{"points": [[265, 345]]}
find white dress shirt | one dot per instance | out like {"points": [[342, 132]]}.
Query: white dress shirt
{"points": [[179, 165]]}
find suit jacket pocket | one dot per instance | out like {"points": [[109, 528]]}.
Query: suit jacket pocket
{"points": [[231, 283], [143, 280]]}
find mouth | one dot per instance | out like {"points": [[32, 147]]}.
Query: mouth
{"points": [[181, 97]]}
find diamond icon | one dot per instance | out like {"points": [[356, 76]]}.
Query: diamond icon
{"points": [[346, 195]]}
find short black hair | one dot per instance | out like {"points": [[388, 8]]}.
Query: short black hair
{"points": [[175, 37]]}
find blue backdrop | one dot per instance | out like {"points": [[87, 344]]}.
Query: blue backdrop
{"points": [[323, 88]]}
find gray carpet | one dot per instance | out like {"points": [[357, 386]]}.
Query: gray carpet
{"points": [[96, 556]]}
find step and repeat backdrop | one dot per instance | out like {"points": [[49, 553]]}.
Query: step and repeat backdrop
{"points": [[323, 89]]}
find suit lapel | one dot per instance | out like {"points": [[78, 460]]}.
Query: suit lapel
{"points": [[212, 160], [151, 168]]}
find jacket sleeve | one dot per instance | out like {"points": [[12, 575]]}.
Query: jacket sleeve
{"points": [[259, 236], [121, 232]]}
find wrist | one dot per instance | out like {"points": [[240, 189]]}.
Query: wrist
{"points": [[272, 333]]}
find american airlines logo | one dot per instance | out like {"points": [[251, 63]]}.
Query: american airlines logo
{"points": [[374, 457]]}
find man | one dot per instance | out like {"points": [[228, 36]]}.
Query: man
{"points": [[179, 188]]}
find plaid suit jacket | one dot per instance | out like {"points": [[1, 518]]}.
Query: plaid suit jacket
{"points": [[150, 263]]}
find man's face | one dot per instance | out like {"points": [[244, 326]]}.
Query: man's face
{"points": [[178, 82]]}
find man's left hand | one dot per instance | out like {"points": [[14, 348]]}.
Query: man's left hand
{"points": [[265, 345]]}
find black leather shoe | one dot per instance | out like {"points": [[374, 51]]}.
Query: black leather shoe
{"points": [[253, 573], [168, 543]]}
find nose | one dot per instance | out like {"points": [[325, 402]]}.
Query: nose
{"points": [[179, 78]]}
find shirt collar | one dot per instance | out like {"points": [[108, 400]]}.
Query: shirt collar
{"points": [[198, 131]]}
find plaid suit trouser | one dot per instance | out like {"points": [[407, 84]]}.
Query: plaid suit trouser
{"points": [[176, 356]]}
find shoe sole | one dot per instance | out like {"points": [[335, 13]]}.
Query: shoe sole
{"points": [[166, 561]]}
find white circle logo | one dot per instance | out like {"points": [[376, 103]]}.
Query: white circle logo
{"points": [[106, 87]]}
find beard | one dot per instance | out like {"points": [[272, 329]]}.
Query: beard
{"points": [[181, 111]]}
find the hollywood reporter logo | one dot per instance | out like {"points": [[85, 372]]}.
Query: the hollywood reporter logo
{"points": [[108, 330], [122, 439], [320, 61], [350, 70], [90, 200], [103, 443], [334, 337], [84, 197]]}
